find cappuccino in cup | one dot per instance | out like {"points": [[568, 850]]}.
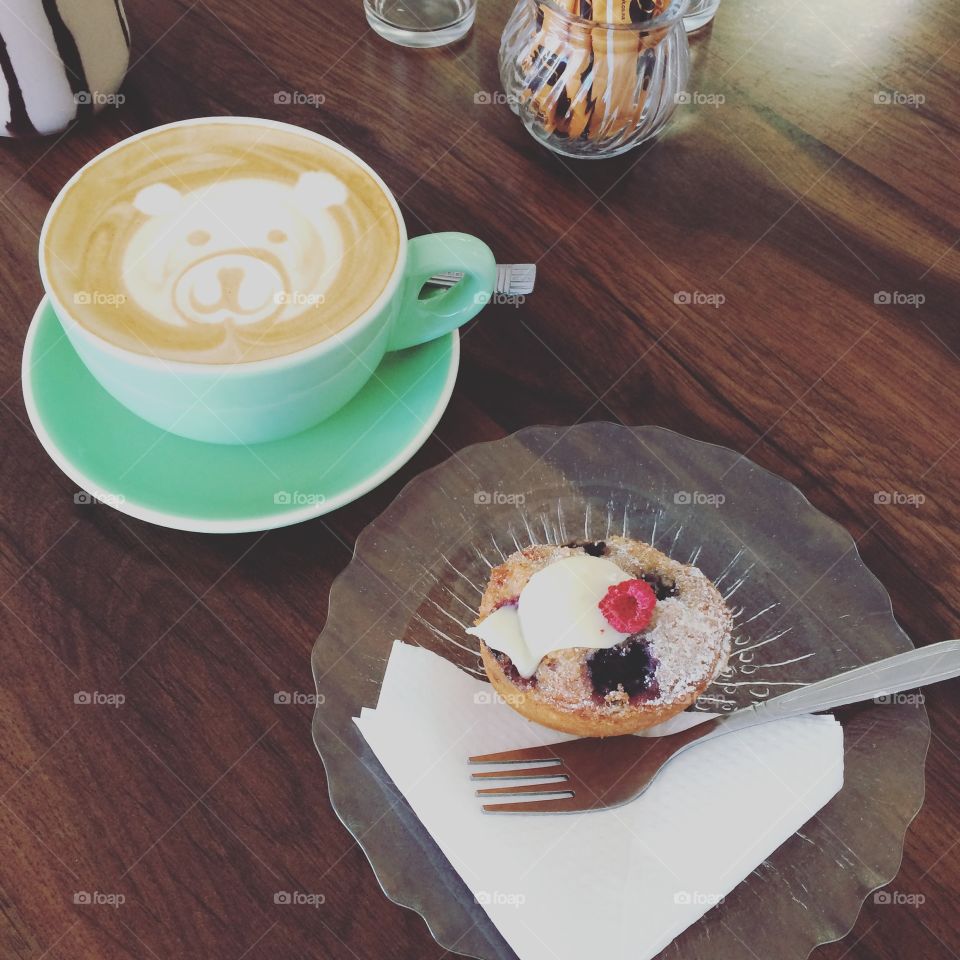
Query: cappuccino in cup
{"points": [[236, 280], [221, 243]]}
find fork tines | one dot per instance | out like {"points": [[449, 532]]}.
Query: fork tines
{"points": [[554, 781], [528, 755]]}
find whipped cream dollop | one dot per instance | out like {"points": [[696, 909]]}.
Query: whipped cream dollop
{"points": [[556, 610]]}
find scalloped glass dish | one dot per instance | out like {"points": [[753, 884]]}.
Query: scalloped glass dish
{"points": [[806, 608]]}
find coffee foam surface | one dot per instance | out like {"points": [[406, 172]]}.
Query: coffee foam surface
{"points": [[221, 243]]}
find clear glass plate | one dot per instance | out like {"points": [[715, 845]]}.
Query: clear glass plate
{"points": [[806, 607]]}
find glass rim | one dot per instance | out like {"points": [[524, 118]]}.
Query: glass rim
{"points": [[674, 11]]}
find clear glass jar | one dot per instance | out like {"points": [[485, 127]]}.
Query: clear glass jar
{"points": [[589, 88], [699, 14]]}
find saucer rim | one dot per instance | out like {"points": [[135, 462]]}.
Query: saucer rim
{"points": [[193, 524]]}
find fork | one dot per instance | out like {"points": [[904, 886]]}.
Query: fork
{"points": [[513, 279], [595, 774]]}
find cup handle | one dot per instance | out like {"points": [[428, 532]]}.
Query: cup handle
{"points": [[423, 320]]}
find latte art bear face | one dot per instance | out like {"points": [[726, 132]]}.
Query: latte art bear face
{"points": [[221, 242], [237, 252]]}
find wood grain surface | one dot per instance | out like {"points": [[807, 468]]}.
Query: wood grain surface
{"points": [[797, 199]]}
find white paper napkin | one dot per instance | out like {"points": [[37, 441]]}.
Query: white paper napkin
{"points": [[631, 878]]}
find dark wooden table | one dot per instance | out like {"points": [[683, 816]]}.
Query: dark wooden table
{"points": [[798, 199]]}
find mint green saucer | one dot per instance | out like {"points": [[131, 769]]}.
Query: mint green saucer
{"points": [[165, 479]]}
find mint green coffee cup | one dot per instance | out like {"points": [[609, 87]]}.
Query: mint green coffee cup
{"points": [[176, 320]]}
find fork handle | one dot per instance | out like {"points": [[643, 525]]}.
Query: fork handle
{"points": [[915, 668]]}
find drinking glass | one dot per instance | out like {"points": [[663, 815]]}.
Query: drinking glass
{"points": [[590, 88], [421, 23]]}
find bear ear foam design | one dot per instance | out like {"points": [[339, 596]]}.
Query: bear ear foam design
{"points": [[158, 199], [321, 189]]}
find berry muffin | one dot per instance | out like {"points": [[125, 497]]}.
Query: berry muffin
{"points": [[600, 639]]}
